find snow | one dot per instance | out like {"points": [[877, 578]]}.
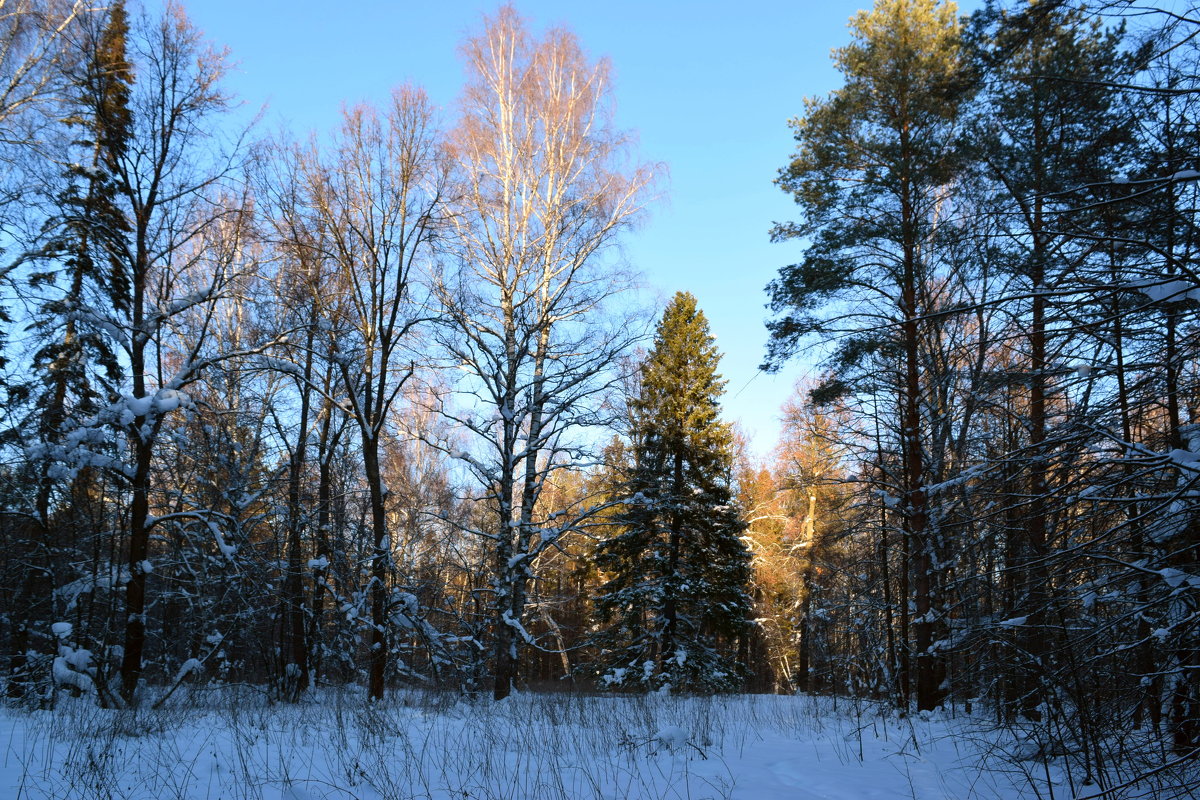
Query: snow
{"points": [[1172, 290], [187, 301], [138, 406], [1176, 578], [118, 576], [65, 676], [168, 400], [672, 737], [616, 677], [80, 659], [888, 500], [188, 667], [223, 546], [236, 743], [1184, 457], [61, 629]]}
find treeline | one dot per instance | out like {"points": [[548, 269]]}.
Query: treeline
{"points": [[286, 413], [365, 409], [998, 216]]}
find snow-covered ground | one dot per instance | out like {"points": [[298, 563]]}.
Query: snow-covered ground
{"points": [[232, 744]]}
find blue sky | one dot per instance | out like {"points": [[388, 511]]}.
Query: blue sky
{"points": [[707, 86]]}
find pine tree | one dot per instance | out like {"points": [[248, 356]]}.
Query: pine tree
{"points": [[1038, 138], [676, 604], [871, 173]]}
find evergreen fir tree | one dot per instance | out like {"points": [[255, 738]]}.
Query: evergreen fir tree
{"points": [[675, 606], [75, 367], [85, 239]]}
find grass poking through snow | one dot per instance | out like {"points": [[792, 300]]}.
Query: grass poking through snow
{"points": [[233, 745]]}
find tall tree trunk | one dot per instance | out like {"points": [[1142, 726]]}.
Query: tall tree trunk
{"points": [[666, 650], [135, 589], [804, 652], [1033, 568], [505, 647], [327, 446], [142, 443], [294, 644], [1185, 555], [915, 511], [380, 557]]}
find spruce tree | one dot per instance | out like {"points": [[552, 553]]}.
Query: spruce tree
{"points": [[84, 239], [75, 368], [674, 609]]}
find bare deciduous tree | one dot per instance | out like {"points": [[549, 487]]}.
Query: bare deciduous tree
{"points": [[374, 211], [545, 190], [35, 47], [185, 218]]}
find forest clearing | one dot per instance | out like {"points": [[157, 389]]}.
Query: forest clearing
{"points": [[416, 446], [557, 745]]}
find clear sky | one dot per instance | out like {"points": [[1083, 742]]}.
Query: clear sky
{"points": [[708, 87]]}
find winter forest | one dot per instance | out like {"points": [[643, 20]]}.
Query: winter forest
{"points": [[360, 464]]}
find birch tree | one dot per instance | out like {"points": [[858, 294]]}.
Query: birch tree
{"points": [[545, 191]]}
